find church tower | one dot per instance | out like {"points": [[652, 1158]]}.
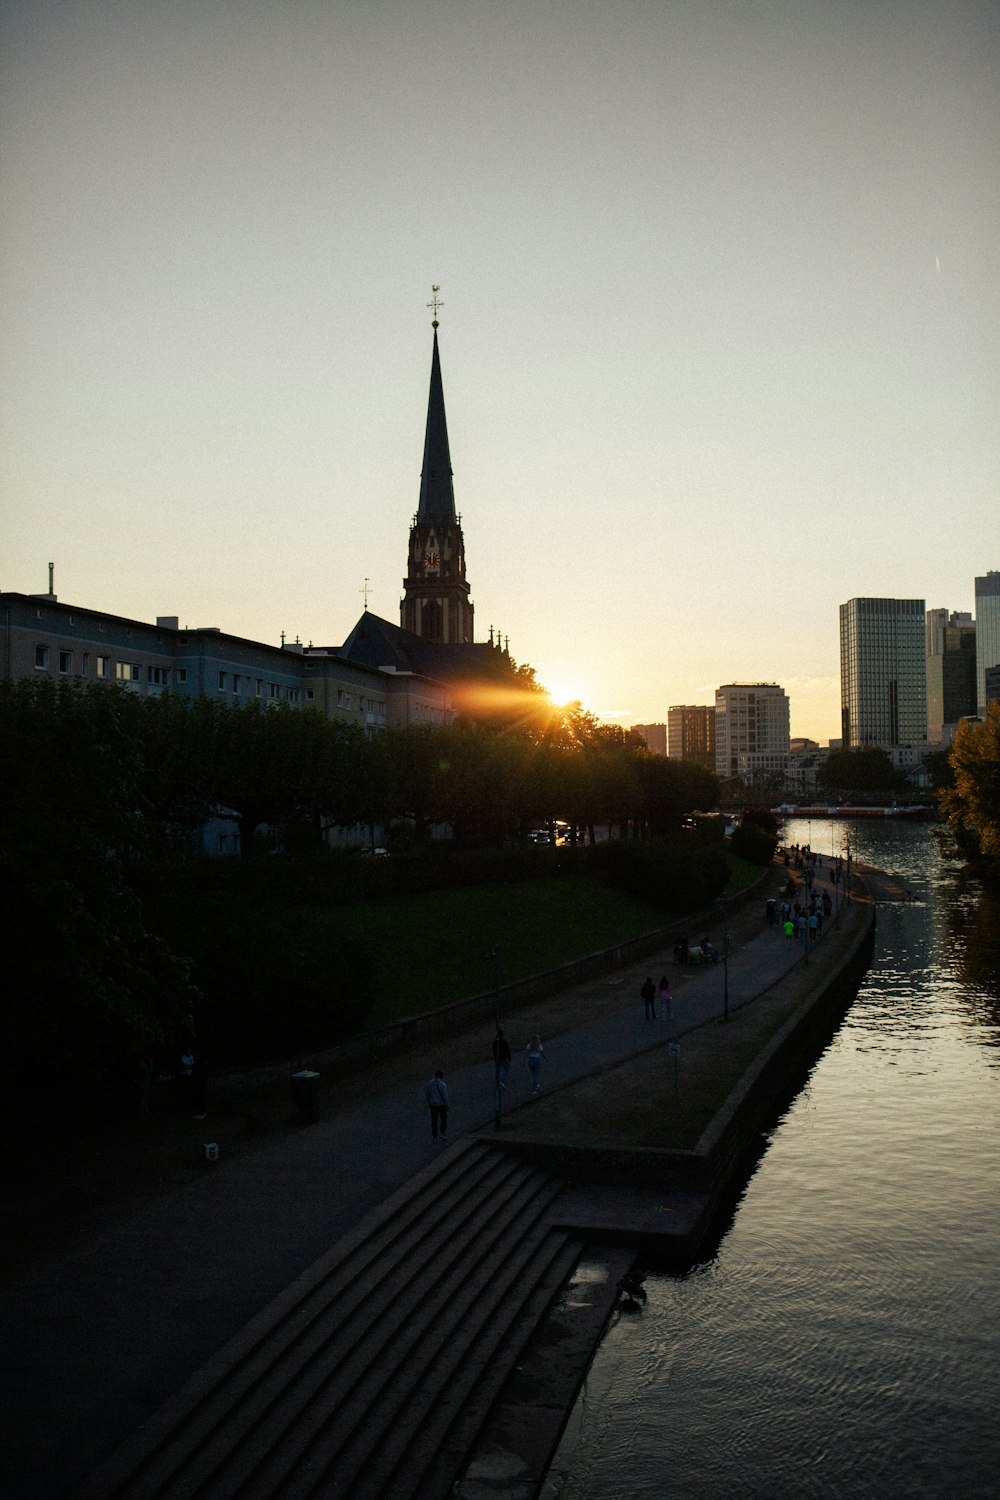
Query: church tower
{"points": [[435, 603]]}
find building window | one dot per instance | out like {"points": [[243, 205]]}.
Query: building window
{"points": [[157, 676], [102, 666], [310, 695], [181, 674], [65, 662], [260, 687], [293, 695], [85, 667], [128, 671], [42, 658], [273, 691], [236, 682], [222, 682]]}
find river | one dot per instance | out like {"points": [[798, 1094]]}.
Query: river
{"points": [[844, 1338]]}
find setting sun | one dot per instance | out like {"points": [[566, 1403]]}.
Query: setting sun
{"points": [[563, 690]]}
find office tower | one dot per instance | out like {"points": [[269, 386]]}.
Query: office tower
{"points": [[951, 673], [751, 730], [655, 736], [883, 672], [691, 733], [987, 633]]}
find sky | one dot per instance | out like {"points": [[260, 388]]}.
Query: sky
{"points": [[720, 291]]}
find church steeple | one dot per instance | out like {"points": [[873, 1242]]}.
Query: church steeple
{"points": [[436, 603], [437, 493]]}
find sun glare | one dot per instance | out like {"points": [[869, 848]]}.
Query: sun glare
{"points": [[562, 691]]}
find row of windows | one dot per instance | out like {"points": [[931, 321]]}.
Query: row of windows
{"points": [[356, 700], [240, 684], [104, 667]]}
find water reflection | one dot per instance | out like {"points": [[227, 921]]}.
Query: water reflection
{"points": [[843, 1340]]}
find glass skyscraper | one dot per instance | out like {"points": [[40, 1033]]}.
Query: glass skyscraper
{"points": [[987, 632], [883, 675]]}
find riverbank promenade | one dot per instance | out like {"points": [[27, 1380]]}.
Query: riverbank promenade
{"points": [[321, 1233]]}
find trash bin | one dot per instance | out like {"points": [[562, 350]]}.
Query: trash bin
{"points": [[305, 1096]]}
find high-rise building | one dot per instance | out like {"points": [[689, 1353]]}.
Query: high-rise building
{"points": [[883, 673], [655, 736], [987, 633], [951, 673], [691, 733], [940, 620], [751, 730]]}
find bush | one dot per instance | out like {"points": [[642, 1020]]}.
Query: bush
{"points": [[677, 875], [754, 843], [760, 817]]}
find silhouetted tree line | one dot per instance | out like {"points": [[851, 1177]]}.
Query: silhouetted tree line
{"points": [[111, 952]]}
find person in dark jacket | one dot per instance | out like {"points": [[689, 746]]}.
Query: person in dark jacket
{"points": [[436, 1094], [501, 1058]]}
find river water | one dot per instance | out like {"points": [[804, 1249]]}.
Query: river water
{"points": [[844, 1339]]}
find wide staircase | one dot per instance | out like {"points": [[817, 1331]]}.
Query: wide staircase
{"points": [[371, 1375]]}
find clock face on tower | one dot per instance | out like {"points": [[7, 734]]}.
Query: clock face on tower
{"points": [[431, 561]]}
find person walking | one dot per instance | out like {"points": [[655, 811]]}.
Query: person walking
{"points": [[648, 993], [501, 1058], [436, 1094], [536, 1055], [664, 998]]}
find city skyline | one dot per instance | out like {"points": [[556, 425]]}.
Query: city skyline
{"points": [[719, 298]]}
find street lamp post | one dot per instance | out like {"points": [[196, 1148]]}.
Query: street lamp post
{"points": [[725, 963], [494, 954]]}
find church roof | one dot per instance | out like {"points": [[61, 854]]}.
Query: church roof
{"points": [[375, 642], [437, 495]]}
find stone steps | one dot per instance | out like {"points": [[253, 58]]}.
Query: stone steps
{"points": [[372, 1373]]}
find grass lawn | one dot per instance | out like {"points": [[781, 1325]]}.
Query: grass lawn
{"points": [[433, 949]]}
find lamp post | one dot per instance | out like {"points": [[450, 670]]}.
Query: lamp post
{"points": [[494, 954], [725, 962]]}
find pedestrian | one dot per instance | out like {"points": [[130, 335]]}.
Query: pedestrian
{"points": [[436, 1094], [789, 929], [501, 1058], [664, 998], [536, 1055], [648, 993], [813, 927]]}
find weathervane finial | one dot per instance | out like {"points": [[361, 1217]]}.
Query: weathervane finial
{"points": [[434, 304]]}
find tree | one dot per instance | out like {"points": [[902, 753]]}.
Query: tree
{"points": [[89, 988], [972, 805], [869, 769]]}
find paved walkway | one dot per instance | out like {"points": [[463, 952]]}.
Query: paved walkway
{"points": [[96, 1340]]}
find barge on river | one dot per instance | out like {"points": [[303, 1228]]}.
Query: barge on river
{"points": [[854, 810]]}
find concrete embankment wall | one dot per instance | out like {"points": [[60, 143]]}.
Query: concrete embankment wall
{"points": [[450, 1019]]}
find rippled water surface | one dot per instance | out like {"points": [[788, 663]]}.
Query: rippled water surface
{"points": [[845, 1339]]}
